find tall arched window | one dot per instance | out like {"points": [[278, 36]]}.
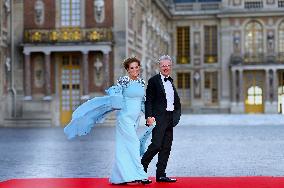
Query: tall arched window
{"points": [[70, 13], [253, 38], [281, 37]]}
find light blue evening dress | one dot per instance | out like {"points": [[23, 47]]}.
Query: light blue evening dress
{"points": [[127, 97], [127, 166]]}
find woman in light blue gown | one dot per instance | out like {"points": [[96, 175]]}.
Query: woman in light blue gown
{"points": [[128, 96]]}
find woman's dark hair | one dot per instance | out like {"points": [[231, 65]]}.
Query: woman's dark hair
{"points": [[130, 60]]}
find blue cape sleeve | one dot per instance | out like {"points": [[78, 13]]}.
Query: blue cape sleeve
{"points": [[93, 111]]}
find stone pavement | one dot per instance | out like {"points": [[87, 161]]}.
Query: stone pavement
{"points": [[206, 150], [232, 119]]}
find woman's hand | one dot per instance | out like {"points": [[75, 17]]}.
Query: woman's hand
{"points": [[150, 121]]}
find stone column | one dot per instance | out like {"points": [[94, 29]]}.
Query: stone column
{"points": [[224, 55], [241, 87], [275, 86], [233, 86], [144, 46], [47, 76], [85, 75], [106, 69], [267, 86], [27, 69]]}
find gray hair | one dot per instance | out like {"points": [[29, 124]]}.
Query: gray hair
{"points": [[164, 57]]}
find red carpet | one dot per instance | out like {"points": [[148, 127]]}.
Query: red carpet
{"points": [[183, 182]]}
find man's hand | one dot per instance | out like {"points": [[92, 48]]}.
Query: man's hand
{"points": [[150, 121]]}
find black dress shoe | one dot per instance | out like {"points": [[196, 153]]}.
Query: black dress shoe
{"points": [[146, 181], [124, 183], [166, 179]]}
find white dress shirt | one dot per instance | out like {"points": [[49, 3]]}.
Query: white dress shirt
{"points": [[169, 93]]}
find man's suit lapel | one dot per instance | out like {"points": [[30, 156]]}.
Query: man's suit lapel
{"points": [[175, 91], [176, 98], [161, 84]]}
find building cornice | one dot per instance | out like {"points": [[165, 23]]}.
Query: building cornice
{"points": [[194, 17], [164, 8], [244, 13], [105, 47], [225, 14]]}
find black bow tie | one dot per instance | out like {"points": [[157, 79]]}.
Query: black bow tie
{"points": [[169, 78]]}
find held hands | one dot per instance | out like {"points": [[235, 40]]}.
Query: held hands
{"points": [[151, 121]]}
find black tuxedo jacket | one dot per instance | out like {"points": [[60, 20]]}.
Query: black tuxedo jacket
{"points": [[156, 102]]}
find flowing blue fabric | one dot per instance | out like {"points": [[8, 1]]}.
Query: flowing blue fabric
{"points": [[143, 139], [87, 115], [128, 99]]}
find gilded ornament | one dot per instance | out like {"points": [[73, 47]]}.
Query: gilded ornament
{"points": [[36, 36], [76, 35], [211, 59], [65, 35], [184, 60], [53, 36], [95, 35]]}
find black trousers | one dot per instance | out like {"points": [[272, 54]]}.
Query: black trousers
{"points": [[161, 143]]}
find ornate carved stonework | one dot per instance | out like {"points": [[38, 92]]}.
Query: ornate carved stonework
{"points": [[38, 72], [197, 84], [196, 44], [7, 5], [270, 2], [237, 2], [237, 41], [39, 12], [196, 61], [270, 41], [270, 22], [237, 23], [99, 10], [98, 69], [196, 24]]}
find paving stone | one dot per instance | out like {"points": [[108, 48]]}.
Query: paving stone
{"points": [[196, 151]]}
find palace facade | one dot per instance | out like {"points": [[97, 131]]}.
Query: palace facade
{"points": [[228, 55]]}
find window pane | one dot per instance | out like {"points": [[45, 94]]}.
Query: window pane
{"points": [[258, 100], [281, 37], [251, 91], [183, 80], [183, 45], [210, 44], [258, 90], [250, 99], [253, 38], [211, 86], [70, 12]]}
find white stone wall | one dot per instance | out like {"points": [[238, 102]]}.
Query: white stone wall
{"points": [[119, 31], [225, 33], [149, 38], [4, 37]]}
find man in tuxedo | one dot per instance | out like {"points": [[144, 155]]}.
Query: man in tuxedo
{"points": [[162, 106]]}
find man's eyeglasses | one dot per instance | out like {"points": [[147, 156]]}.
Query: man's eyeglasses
{"points": [[164, 66]]}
